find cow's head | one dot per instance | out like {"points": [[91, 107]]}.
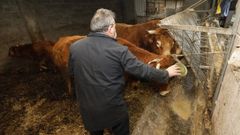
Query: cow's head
{"points": [[161, 42], [12, 51], [25, 51], [161, 62]]}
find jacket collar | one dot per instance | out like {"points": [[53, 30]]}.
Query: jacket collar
{"points": [[99, 34]]}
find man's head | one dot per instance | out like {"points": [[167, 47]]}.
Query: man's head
{"points": [[104, 21]]}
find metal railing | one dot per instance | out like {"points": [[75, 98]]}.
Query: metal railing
{"points": [[204, 44]]}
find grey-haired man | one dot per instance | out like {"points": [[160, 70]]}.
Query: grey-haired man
{"points": [[97, 64]]}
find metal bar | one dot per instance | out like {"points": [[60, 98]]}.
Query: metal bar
{"points": [[216, 52], [197, 4], [226, 31], [204, 67], [198, 11], [196, 73], [217, 90], [212, 43]]}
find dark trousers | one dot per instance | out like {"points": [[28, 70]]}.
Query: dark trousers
{"points": [[121, 128]]}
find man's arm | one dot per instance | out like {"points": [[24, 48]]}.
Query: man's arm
{"points": [[137, 68]]}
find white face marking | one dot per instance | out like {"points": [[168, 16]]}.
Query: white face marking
{"points": [[159, 44], [151, 31], [158, 66]]}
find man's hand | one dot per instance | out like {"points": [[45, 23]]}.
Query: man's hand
{"points": [[174, 70]]}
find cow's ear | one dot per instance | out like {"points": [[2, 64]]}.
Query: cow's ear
{"points": [[151, 31]]}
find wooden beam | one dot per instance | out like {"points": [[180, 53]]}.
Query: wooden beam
{"points": [[226, 31]]}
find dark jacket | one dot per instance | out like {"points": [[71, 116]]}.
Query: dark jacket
{"points": [[98, 64]]}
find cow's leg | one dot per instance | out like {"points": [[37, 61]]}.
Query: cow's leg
{"points": [[69, 82], [43, 65], [69, 85]]}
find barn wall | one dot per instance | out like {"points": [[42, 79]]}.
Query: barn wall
{"points": [[140, 7], [128, 11], [226, 116], [55, 17]]}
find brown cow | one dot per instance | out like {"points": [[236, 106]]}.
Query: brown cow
{"points": [[48, 53], [59, 54], [25, 51], [157, 61], [149, 36], [40, 51]]}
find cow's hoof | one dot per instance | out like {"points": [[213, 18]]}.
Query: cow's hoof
{"points": [[164, 93]]}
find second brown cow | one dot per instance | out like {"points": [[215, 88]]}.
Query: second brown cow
{"points": [[149, 36]]}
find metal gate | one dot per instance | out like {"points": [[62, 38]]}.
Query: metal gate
{"points": [[205, 45]]}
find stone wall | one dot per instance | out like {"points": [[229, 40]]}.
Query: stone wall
{"points": [[226, 116]]}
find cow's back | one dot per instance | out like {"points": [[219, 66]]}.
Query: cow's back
{"points": [[61, 50], [135, 33]]}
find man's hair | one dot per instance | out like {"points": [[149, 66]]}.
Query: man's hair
{"points": [[101, 20]]}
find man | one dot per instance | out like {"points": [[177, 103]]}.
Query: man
{"points": [[97, 64]]}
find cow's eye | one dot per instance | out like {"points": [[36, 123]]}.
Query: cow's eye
{"points": [[150, 41]]}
